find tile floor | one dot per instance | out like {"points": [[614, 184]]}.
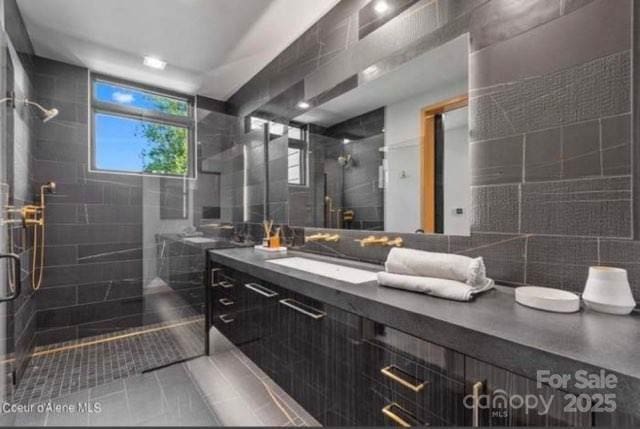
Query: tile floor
{"points": [[225, 389], [62, 373]]}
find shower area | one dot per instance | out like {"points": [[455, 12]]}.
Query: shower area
{"points": [[101, 271]]}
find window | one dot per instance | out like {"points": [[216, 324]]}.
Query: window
{"points": [[297, 154], [138, 130], [295, 164]]}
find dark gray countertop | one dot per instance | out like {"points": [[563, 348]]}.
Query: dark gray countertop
{"points": [[215, 243], [493, 328]]}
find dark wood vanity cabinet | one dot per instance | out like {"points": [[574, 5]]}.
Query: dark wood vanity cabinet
{"points": [[346, 370], [308, 348], [498, 396]]}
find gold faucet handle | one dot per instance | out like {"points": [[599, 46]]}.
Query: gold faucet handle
{"points": [[373, 241], [316, 237], [396, 242]]}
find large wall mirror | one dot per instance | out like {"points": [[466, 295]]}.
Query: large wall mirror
{"points": [[391, 154]]}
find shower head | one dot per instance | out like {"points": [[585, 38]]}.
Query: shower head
{"points": [[345, 160], [49, 186], [50, 114]]}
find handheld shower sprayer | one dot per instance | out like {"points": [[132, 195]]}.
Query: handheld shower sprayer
{"points": [[38, 221], [34, 215]]}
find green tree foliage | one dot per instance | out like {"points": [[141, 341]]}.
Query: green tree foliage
{"points": [[168, 145]]}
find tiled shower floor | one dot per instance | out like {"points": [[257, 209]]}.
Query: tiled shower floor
{"points": [[61, 369], [224, 389]]}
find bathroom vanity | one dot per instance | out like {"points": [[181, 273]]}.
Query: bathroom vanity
{"points": [[360, 354]]}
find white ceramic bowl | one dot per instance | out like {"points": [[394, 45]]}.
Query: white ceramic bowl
{"points": [[608, 291]]}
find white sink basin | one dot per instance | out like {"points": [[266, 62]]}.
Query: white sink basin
{"points": [[326, 269], [199, 240]]}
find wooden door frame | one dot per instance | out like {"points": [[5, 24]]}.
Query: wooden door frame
{"points": [[428, 160]]}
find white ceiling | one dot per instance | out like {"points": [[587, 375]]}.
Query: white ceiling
{"points": [[212, 47], [438, 68]]}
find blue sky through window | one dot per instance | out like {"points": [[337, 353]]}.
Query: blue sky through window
{"points": [[143, 141], [131, 97], [119, 146]]}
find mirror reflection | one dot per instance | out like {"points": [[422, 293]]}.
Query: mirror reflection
{"points": [[392, 154]]}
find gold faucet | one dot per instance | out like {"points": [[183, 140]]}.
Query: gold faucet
{"points": [[381, 241], [328, 238]]}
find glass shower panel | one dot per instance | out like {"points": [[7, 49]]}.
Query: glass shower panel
{"points": [[181, 218], [6, 309]]}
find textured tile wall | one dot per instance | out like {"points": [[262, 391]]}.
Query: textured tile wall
{"points": [[550, 118]]}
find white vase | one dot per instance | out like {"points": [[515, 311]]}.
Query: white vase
{"points": [[608, 291]]}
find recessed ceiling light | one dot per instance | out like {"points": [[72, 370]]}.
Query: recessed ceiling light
{"points": [[304, 105], [155, 63], [381, 7], [346, 141]]}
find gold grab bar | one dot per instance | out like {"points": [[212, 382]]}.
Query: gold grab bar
{"points": [[475, 416], [400, 421], [389, 372]]}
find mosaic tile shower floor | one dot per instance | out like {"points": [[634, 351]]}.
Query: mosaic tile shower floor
{"points": [[64, 368], [224, 389]]}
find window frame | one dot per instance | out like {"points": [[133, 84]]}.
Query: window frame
{"points": [[147, 115], [302, 147]]}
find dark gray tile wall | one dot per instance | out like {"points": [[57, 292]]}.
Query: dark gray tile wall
{"points": [[98, 252], [354, 187], [93, 256], [550, 118], [218, 152], [278, 178], [254, 148]]}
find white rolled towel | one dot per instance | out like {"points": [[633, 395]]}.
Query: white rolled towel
{"points": [[447, 266], [443, 288]]}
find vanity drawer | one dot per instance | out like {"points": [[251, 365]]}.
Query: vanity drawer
{"points": [[240, 327], [418, 376], [498, 386], [383, 406], [237, 293]]}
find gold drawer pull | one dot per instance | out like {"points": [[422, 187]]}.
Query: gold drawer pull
{"points": [[212, 274], [393, 372], [406, 420], [261, 290], [307, 310], [225, 284], [225, 318], [475, 416]]}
